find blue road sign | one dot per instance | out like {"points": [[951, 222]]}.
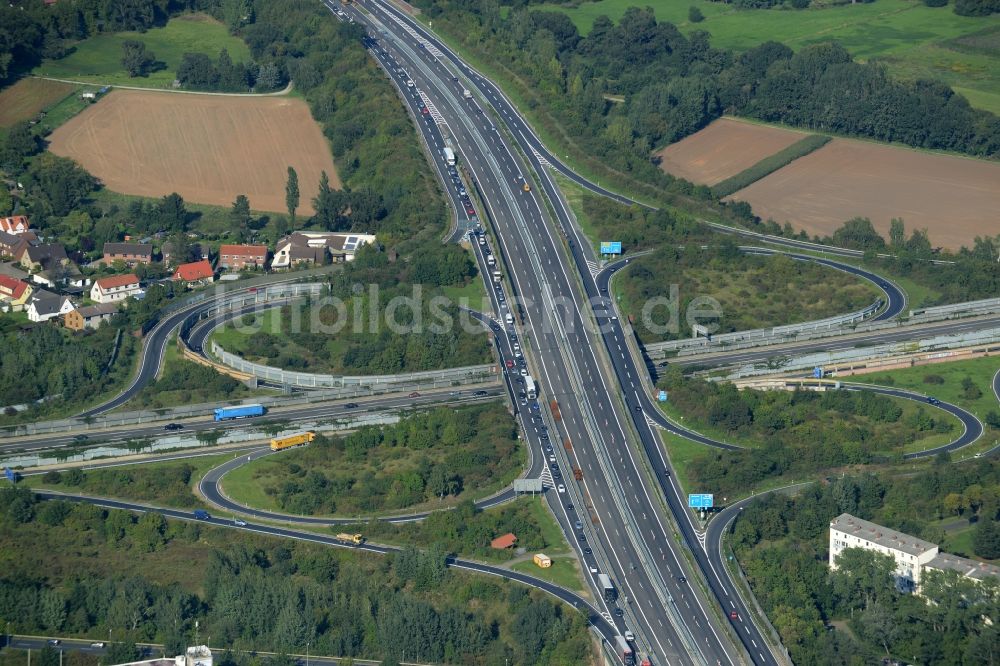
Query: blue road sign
{"points": [[662, 396], [818, 372], [700, 501], [611, 247], [9, 473]]}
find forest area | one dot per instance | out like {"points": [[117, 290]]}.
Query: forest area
{"points": [[856, 614], [255, 593], [431, 456], [752, 291]]}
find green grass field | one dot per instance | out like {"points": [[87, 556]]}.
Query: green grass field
{"points": [[564, 571], [98, 59], [913, 39], [980, 371], [170, 495]]}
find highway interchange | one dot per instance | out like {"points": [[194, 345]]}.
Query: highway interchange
{"points": [[595, 403]]}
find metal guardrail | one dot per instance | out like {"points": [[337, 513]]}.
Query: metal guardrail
{"points": [[985, 306], [988, 341], [145, 416], [930, 315], [425, 379], [760, 334]]}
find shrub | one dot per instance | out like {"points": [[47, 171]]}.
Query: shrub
{"points": [[933, 379], [695, 15]]}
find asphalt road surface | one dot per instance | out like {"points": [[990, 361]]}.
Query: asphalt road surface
{"points": [[339, 409], [595, 618], [622, 525]]}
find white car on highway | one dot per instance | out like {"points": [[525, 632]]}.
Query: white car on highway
{"points": [[561, 488]]}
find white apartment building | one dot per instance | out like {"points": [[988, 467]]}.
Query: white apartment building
{"points": [[913, 556]]}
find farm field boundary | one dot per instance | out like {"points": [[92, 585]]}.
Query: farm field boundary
{"points": [[206, 148]]}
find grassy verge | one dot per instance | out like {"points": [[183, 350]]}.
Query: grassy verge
{"points": [[574, 195], [770, 164], [909, 407], [474, 294], [169, 483], [565, 572], [97, 60], [945, 382], [185, 382], [467, 532]]}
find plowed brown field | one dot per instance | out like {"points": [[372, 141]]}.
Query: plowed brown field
{"points": [[723, 149], [27, 97], [954, 198], [207, 148]]}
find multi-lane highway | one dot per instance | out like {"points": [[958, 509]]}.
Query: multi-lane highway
{"points": [[847, 341], [310, 413], [616, 503]]}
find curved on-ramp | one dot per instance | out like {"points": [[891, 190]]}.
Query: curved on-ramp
{"points": [[600, 623], [210, 488]]}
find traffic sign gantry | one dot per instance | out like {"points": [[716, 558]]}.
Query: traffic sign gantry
{"points": [[611, 247]]}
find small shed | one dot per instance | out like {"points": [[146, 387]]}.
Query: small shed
{"points": [[542, 560], [504, 541]]}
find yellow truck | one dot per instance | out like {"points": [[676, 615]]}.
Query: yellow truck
{"points": [[356, 539], [302, 438]]}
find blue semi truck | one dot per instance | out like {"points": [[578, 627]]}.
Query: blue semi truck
{"points": [[240, 412]]}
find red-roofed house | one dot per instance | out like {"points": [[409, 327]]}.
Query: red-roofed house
{"points": [[14, 225], [198, 272], [238, 257], [114, 288], [14, 292], [504, 541]]}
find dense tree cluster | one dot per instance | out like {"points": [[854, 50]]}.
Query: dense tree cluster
{"points": [[197, 71], [794, 432], [71, 368], [399, 328], [752, 291], [169, 484], [266, 596], [973, 273], [782, 542], [468, 531], [433, 455], [674, 84]]}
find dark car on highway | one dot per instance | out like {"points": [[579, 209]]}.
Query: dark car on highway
{"points": [[173, 426]]}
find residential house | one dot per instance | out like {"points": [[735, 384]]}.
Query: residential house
{"points": [[239, 257], [14, 225], [312, 247], [129, 253], [14, 293], [89, 316], [115, 288], [12, 245], [44, 305], [197, 272], [913, 556], [43, 257]]}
